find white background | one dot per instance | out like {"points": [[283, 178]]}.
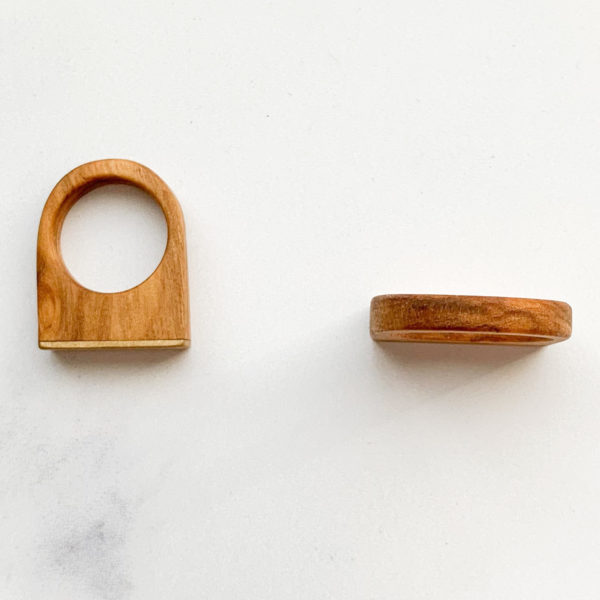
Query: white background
{"points": [[323, 152]]}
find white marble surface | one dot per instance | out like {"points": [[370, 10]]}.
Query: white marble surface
{"points": [[323, 152]]}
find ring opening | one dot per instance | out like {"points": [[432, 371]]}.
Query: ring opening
{"points": [[113, 238]]}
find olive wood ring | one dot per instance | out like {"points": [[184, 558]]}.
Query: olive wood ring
{"points": [[153, 314], [469, 320]]}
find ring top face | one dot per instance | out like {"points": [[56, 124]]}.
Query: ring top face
{"points": [[469, 320], [153, 314]]}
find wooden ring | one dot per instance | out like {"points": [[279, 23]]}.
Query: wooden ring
{"points": [[154, 313], [469, 320]]}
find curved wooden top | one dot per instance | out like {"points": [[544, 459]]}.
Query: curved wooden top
{"points": [[92, 175], [469, 319], [154, 313]]}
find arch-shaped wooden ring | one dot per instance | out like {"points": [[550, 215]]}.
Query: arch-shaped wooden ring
{"points": [[469, 320], [153, 314]]}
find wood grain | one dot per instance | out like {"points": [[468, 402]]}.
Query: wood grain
{"points": [[153, 314], [469, 320]]}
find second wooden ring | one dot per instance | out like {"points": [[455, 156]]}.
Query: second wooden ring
{"points": [[469, 319]]}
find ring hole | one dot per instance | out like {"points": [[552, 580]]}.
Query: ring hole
{"points": [[113, 238]]}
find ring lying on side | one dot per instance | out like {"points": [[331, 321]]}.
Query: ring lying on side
{"points": [[469, 320]]}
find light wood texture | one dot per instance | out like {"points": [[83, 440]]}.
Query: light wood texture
{"points": [[469, 320], [153, 314], [115, 344]]}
